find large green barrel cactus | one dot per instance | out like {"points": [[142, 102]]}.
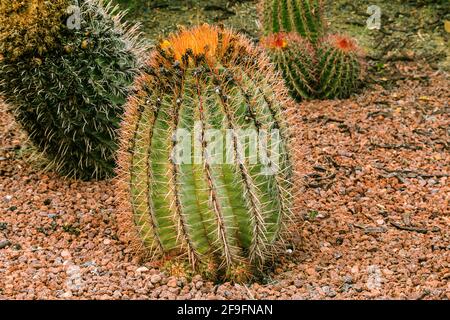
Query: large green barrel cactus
{"points": [[340, 65], [66, 71], [302, 16], [222, 213], [295, 58]]}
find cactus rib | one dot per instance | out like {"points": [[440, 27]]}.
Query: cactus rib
{"points": [[302, 16]]}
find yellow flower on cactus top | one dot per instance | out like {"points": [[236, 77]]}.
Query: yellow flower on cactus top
{"points": [[202, 40], [165, 45], [276, 41], [447, 26]]}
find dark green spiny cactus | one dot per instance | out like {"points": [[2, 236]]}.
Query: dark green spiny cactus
{"points": [[295, 58], [302, 16], [340, 65], [67, 90], [224, 217]]}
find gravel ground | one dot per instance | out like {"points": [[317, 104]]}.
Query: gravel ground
{"points": [[374, 221]]}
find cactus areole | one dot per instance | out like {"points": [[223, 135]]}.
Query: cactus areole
{"points": [[225, 216]]}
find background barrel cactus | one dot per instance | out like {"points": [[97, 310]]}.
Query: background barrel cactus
{"points": [[30, 27], [314, 65], [341, 67], [302, 16], [66, 72], [224, 218], [295, 57]]}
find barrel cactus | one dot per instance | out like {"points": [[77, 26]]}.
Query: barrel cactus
{"points": [[218, 211], [295, 58], [66, 72], [340, 65], [302, 16]]}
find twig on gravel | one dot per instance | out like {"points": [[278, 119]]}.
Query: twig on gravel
{"points": [[406, 228], [333, 162], [396, 146], [425, 293], [369, 229], [385, 114], [413, 174], [322, 178], [327, 119], [249, 293]]}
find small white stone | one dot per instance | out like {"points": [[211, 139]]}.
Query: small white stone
{"points": [[141, 270], [65, 254], [73, 270]]}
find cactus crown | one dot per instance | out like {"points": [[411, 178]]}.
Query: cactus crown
{"points": [[30, 26], [222, 217], [201, 41], [277, 41], [343, 43]]}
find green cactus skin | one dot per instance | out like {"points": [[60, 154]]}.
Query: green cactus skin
{"points": [[70, 99], [302, 16], [295, 58], [341, 67], [223, 219]]}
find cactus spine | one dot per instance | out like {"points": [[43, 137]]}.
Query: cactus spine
{"points": [[67, 86], [295, 57], [222, 218], [341, 67], [302, 16]]}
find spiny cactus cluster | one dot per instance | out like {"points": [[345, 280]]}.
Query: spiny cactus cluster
{"points": [[222, 218], [304, 17], [332, 69], [314, 65], [67, 86]]}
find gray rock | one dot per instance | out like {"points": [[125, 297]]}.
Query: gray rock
{"points": [[329, 291], [348, 279], [4, 244], [346, 287], [156, 278]]}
